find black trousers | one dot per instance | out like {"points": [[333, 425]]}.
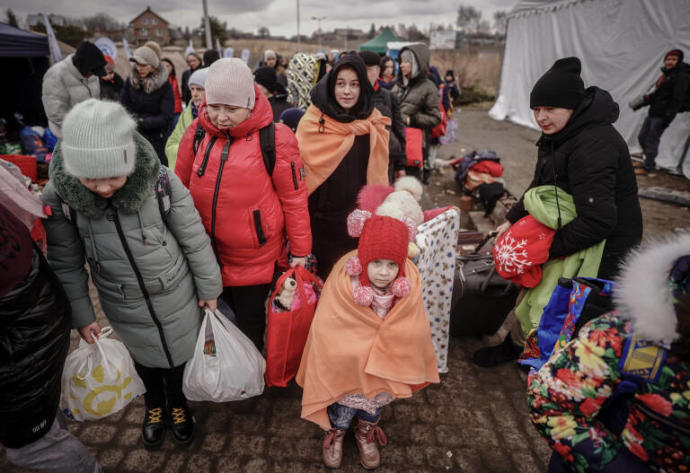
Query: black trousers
{"points": [[162, 384], [248, 304]]}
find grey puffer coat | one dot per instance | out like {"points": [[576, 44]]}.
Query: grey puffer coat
{"points": [[419, 98], [63, 88], [149, 274]]}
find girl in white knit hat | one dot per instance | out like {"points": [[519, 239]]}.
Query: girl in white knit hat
{"points": [[248, 184], [134, 222]]}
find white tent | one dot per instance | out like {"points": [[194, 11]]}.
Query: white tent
{"points": [[621, 44]]}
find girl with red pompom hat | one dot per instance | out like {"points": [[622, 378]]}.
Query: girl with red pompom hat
{"points": [[369, 342]]}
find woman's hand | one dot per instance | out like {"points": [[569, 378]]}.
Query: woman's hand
{"points": [[298, 261], [502, 228], [89, 331], [400, 173], [211, 304]]}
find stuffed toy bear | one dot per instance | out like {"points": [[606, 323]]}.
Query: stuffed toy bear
{"points": [[286, 295]]}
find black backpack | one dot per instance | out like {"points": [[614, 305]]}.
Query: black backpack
{"points": [[267, 139]]}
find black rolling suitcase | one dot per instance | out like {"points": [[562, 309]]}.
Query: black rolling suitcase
{"points": [[481, 298]]}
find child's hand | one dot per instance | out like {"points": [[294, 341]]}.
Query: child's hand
{"points": [[211, 304], [88, 332]]}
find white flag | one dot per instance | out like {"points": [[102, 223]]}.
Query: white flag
{"points": [[220, 53], [55, 53], [125, 45]]}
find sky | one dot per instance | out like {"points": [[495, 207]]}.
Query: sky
{"points": [[280, 16]]}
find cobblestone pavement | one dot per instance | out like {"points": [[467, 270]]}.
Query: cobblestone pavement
{"points": [[474, 421]]}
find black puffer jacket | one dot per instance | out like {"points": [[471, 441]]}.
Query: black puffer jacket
{"points": [[152, 103], [34, 339], [667, 99], [387, 103], [590, 160]]}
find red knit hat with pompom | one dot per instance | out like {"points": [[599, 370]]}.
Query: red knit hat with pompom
{"points": [[381, 238]]}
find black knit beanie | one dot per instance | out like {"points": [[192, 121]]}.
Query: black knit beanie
{"points": [[89, 59], [561, 86], [370, 58], [266, 76]]}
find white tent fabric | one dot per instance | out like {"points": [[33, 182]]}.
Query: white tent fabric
{"points": [[621, 44]]}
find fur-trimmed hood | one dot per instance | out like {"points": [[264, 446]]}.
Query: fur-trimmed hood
{"points": [[139, 186], [153, 82], [644, 294]]}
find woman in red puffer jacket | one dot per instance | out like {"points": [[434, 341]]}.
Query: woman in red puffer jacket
{"points": [[246, 212]]}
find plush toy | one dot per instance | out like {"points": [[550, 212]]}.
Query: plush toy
{"points": [[411, 185], [400, 204], [286, 295]]}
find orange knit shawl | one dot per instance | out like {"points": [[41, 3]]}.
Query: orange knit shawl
{"points": [[351, 350], [323, 150]]}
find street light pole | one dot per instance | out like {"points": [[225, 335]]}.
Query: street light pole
{"points": [[319, 18], [207, 26], [299, 38]]}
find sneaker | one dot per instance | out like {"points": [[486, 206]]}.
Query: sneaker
{"points": [[153, 430], [490, 357], [181, 424]]}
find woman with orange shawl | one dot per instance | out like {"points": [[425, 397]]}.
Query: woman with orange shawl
{"points": [[343, 141], [369, 342]]}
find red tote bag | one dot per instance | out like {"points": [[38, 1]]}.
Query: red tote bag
{"points": [[287, 331], [414, 145]]}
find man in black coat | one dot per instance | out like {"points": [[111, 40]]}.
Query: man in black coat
{"points": [[664, 103], [582, 153], [34, 328], [387, 103]]}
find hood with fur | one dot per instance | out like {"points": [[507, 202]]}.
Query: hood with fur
{"points": [[140, 184], [644, 294], [153, 82]]}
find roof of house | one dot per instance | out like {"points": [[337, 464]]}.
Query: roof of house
{"points": [[148, 10]]}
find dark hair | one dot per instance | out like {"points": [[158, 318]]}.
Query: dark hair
{"points": [[384, 60], [169, 61], [210, 56], [682, 307]]}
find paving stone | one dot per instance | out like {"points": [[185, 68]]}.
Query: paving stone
{"points": [[110, 458], [199, 463], [141, 460], [99, 434], [175, 463]]}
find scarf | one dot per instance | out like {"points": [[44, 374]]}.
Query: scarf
{"points": [[352, 351], [324, 142]]}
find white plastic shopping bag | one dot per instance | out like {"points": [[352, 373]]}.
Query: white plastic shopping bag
{"points": [[226, 365], [99, 379]]}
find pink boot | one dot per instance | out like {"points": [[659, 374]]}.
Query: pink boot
{"points": [[332, 450], [367, 435]]}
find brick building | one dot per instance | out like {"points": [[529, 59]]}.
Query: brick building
{"points": [[148, 25]]}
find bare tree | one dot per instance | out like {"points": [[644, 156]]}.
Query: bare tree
{"points": [[500, 22], [414, 34], [469, 18], [263, 32], [11, 18], [101, 22], [484, 27]]}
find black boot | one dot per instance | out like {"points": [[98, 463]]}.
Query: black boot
{"points": [[489, 357], [425, 176], [153, 430], [181, 423]]}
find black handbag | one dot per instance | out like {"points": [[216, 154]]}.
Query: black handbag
{"points": [[481, 298]]}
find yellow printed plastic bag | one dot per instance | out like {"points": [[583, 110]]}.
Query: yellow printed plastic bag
{"points": [[99, 379]]}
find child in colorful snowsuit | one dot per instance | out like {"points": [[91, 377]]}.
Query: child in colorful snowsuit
{"points": [[149, 257], [370, 341]]}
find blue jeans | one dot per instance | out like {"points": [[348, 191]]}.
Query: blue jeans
{"points": [[341, 416], [649, 138]]}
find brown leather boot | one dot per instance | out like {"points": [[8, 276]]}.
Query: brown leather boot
{"points": [[367, 435], [332, 450]]}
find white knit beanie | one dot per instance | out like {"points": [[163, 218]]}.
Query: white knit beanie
{"points": [[198, 77], [98, 140], [230, 82]]}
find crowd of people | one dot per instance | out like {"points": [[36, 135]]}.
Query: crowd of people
{"points": [[177, 194]]}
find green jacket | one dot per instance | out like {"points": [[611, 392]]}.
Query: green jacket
{"points": [[540, 202], [186, 119], [125, 240]]}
